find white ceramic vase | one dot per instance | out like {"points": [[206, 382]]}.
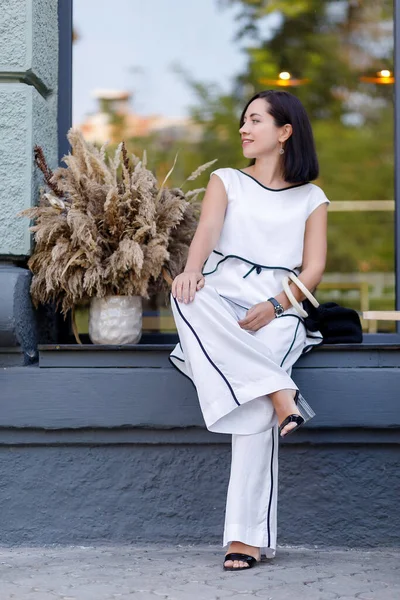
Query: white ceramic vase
{"points": [[115, 320]]}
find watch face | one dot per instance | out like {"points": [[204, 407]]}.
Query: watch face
{"points": [[278, 308]]}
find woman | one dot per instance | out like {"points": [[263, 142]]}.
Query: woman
{"points": [[239, 335]]}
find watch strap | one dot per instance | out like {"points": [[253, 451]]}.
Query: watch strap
{"points": [[278, 308]]}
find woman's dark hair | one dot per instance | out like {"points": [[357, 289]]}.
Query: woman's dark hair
{"points": [[300, 162]]}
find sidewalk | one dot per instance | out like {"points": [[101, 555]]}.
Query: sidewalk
{"points": [[151, 572]]}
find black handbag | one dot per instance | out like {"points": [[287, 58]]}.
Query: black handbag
{"points": [[337, 324]]}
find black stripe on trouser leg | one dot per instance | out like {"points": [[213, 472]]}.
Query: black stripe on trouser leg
{"points": [[292, 344], [179, 370], [272, 488], [233, 302], [206, 355], [177, 358]]}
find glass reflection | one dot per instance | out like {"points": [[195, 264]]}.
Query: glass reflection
{"points": [[178, 84]]}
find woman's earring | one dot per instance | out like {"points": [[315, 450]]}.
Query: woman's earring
{"points": [[281, 151]]}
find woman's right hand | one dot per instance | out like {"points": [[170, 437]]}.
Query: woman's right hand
{"points": [[185, 285]]}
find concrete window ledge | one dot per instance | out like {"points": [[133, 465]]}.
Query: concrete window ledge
{"points": [[354, 391]]}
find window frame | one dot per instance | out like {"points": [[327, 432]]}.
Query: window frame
{"points": [[64, 95], [396, 53], [64, 118]]}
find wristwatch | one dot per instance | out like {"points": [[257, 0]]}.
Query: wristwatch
{"points": [[278, 308]]}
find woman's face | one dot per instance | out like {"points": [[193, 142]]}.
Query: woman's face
{"points": [[259, 134]]}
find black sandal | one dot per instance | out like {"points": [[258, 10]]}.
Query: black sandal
{"points": [[250, 560], [298, 419], [306, 413]]}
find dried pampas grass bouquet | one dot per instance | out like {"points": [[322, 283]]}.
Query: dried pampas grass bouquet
{"points": [[105, 227]]}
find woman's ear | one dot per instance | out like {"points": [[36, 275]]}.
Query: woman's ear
{"points": [[287, 131]]}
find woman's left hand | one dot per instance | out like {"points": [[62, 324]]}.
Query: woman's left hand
{"points": [[258, 316]]}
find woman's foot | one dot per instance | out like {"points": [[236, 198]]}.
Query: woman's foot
{"points": [[285, 405], [243, 549]]}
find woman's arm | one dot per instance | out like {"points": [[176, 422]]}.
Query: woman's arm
{"points": [[209, 228], [207, 234], [314, 254]]}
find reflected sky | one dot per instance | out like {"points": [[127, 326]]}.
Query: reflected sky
{"points": [[131, 44]]}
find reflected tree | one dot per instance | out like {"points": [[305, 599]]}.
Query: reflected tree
{"points": [[330, 45]]}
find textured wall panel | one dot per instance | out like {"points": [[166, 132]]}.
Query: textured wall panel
{"points": [[28, 109], [29, 40], [26, 119], [328, 496]]}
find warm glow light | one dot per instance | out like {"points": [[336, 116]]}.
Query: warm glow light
{"points": [[285, 79], [382, 77]]}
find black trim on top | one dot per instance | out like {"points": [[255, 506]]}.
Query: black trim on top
{"points": [[289, 187], [255, 265], [205, 353]]}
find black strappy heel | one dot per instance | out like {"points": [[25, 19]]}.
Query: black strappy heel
{"points": [[250, 560], [306, 413]]}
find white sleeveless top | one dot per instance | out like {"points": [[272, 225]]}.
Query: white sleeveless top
{"points": [[262, 237]]}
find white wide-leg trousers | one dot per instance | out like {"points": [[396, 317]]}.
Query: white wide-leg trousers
{"points": [[251, 504], [227, 363]]}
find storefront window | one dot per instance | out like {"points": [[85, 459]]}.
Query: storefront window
{"points": [[169, 77]]}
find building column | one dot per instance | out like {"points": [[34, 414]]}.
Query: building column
{"points": [[28, 115]]}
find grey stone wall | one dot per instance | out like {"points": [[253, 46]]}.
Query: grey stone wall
{"points": [[28, 110], [28, 116], [17, 317], [329, 495]]}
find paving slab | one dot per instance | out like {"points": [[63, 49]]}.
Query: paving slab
{"points": [[159, 571]]}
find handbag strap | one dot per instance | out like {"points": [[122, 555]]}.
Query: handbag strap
{"points": [[296, 305], [305, 290]]}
